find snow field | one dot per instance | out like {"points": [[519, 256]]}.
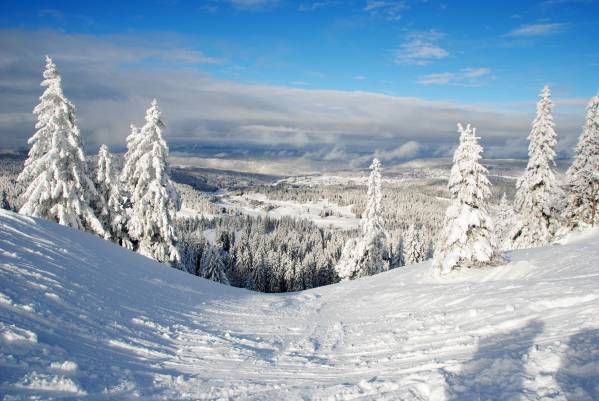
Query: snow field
{"points": [[122, 326]]}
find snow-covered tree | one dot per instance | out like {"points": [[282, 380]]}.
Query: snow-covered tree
{"points": [[212, 266], [503, 223], [132, 156], [127, 178], [467, 238], [55, 174], [154, 198], [582, 185], [537, 190], [109, 190], [414, 246], [366, 256], [4, 204]]}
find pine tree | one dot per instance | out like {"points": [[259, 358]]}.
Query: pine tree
{"points": [[212, 266], [4, 202], [467, 235], [366, 256], [503, 223], [260, 272], [415, 249], [154, 198], [583, 175], [398, 256], [55, 174], [132, 156], [112, 214], [537, 189], [288, 268]]}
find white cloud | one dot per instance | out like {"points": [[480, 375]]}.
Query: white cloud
{"points": [[420, 48], [466, 76], [408, 150], [475, 72], [316, 5], [253, 4], [537, 30], [388, 9], [439, 78], [336, 154]]}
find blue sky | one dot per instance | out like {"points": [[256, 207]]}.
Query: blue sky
{"points": [[466, 55]]}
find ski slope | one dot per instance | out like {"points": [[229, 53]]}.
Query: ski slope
{"points": [[83, 319]]}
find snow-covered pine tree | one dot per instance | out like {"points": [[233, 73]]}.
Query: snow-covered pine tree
{"points": [[127, 178], [366, 256], [55, 174], [109, 190], [4, 204], [212, 266], [132, 156], [537, 189], [467, 238], [503, 223], [582, 185], [154, 198], [398, 256], [288, 267], [414, 246]]}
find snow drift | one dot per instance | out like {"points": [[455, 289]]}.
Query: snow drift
{"points": [[81, 318]]}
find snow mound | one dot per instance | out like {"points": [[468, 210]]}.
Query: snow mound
{"points": [[121, 326]]}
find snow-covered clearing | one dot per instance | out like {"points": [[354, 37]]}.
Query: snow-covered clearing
{"points": [[83, 319], [260, 205]]}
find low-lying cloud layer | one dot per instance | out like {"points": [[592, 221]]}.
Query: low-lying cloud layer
{"points": [[112, 79]]}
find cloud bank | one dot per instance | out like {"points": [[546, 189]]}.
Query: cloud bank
{"points": [[112, 79]]}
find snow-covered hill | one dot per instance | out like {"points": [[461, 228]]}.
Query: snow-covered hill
{"points": [[83, 319]]}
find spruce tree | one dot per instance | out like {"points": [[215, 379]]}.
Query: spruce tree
{"points": [[503, 223], [366, 256], [537, 190], [4, 204], [583, 175], [415, 249], [467, 238], [109, 191], [154, 198], [212, 266], [132, 156], [55, 174]]}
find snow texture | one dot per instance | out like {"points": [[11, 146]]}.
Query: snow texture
{"points": [[125, 327]]}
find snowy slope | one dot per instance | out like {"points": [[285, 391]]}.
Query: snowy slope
{"points": [[83, 319]]}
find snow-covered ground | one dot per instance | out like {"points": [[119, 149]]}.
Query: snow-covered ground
{"points": [[254, 204], [83, 319], [358, 178]]}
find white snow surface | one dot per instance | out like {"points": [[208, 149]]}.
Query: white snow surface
{"points": [[121, 326], [260, 205]]}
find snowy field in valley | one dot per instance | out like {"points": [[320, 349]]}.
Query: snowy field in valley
{"points": [[81, 318], [259, 205]]}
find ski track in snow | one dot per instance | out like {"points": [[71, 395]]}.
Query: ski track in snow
{"points": [[83, 319]]}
